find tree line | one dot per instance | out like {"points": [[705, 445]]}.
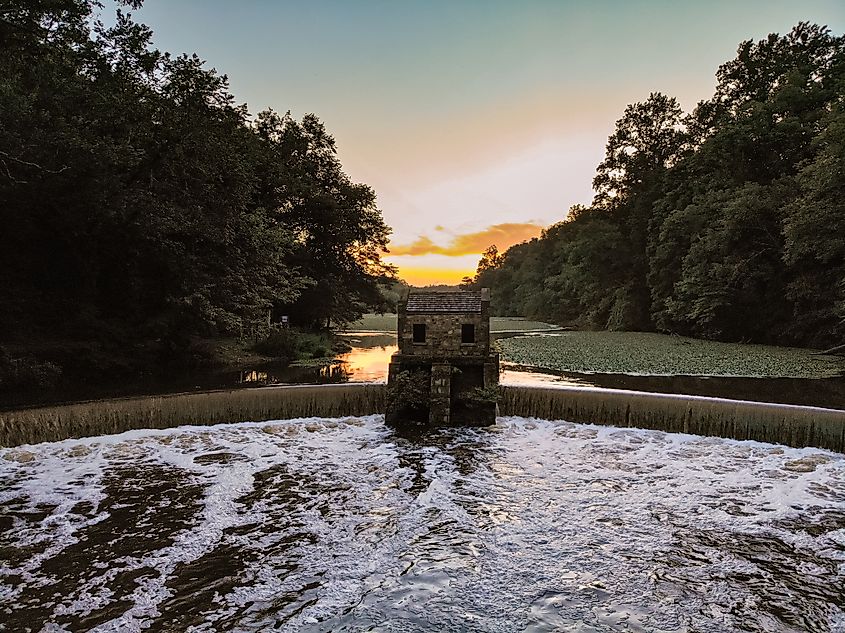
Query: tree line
{"points": [[725, 223], [140, 202]]}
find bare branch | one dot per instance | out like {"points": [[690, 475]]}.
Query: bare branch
{"points": [[9, 174], [29, 164]]}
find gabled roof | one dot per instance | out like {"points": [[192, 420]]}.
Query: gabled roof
{"points": [[462, 301]]}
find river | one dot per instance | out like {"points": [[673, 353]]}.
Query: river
{"points": [[370, 354], [345, 525], [368, 359]]}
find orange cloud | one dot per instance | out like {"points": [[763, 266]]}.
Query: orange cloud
{"points": [[502, 235]]}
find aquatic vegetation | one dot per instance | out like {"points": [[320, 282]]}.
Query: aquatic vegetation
{"points": [[660, 354]]}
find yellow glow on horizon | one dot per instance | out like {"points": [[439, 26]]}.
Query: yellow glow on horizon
{"points": [[425, 270], [432, 276]]}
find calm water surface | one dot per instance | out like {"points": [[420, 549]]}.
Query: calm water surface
{"points": [[345, 525], [370, 355]]}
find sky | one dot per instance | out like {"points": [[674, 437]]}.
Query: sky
{"points": [[477, 122]]}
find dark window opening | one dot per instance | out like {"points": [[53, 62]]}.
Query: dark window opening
{"points": [[419, 332], [467, 333]]}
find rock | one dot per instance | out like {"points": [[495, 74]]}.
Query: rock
{"points": [[19, 455], [806, 464], [80, 450]]}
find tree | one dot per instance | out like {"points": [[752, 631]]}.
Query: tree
{"points": [[490, 258], [340, 233], [141, 204], [725, 223], [814, 231], [648, 140]]}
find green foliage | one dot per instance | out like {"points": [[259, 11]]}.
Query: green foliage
{"points": [[137, 197], [725, 223], [410, 389], [293, 344], [814, 253], [391, 293], [483, 395], [26, 373]]}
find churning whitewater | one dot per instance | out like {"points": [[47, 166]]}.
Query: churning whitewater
{"points": [[319, 525]]}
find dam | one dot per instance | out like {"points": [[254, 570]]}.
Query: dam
{"points": [[298, 508]]}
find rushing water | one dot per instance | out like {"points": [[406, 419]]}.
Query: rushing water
{"points": [[344, 525]]}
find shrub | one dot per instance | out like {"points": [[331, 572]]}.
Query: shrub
{"points": [[24, 373], [483, 395], [411, 389], [290, 344], [280, 344]]}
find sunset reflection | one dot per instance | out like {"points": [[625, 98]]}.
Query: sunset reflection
{"points": [[368, 364]]}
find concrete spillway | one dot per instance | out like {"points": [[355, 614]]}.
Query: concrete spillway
{"points": [[783, 424], [737, 419], [104, 417]]}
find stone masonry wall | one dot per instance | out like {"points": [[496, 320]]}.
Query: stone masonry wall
{"points": [[443, 335]]}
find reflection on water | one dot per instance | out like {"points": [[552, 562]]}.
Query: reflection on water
{"points": [[371, 352], [343, 525], [369, 357], [254, 376], [819, 392], [366, 362]]}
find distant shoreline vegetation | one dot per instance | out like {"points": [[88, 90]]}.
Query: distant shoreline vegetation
{"points": [[725, 223], [153, 225], [145, 213]]}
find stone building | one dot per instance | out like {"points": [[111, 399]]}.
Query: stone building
{"points": [[444, 344]]}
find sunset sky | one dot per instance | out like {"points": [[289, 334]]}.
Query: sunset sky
{"points": [[476, 122]]}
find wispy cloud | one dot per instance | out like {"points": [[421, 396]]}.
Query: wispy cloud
{"points": [[502, 235]]}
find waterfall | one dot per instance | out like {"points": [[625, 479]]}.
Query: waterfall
{"points": [[103, 417], [737, 419], [783, 424]]}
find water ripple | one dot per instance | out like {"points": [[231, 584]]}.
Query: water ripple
{"points": [[344, 525]]}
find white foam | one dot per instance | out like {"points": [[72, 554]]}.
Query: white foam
{"points": [[475, 523]]}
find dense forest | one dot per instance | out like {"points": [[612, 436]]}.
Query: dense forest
{"points": [[142, 208], [724, 223]]}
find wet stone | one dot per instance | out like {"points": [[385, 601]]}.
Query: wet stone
{"points": [[806, 464]]}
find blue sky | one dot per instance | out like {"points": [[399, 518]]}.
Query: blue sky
{"points": [[467, 115]]}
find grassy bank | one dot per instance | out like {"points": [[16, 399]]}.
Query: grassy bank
{"points": [[660, 354]]}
